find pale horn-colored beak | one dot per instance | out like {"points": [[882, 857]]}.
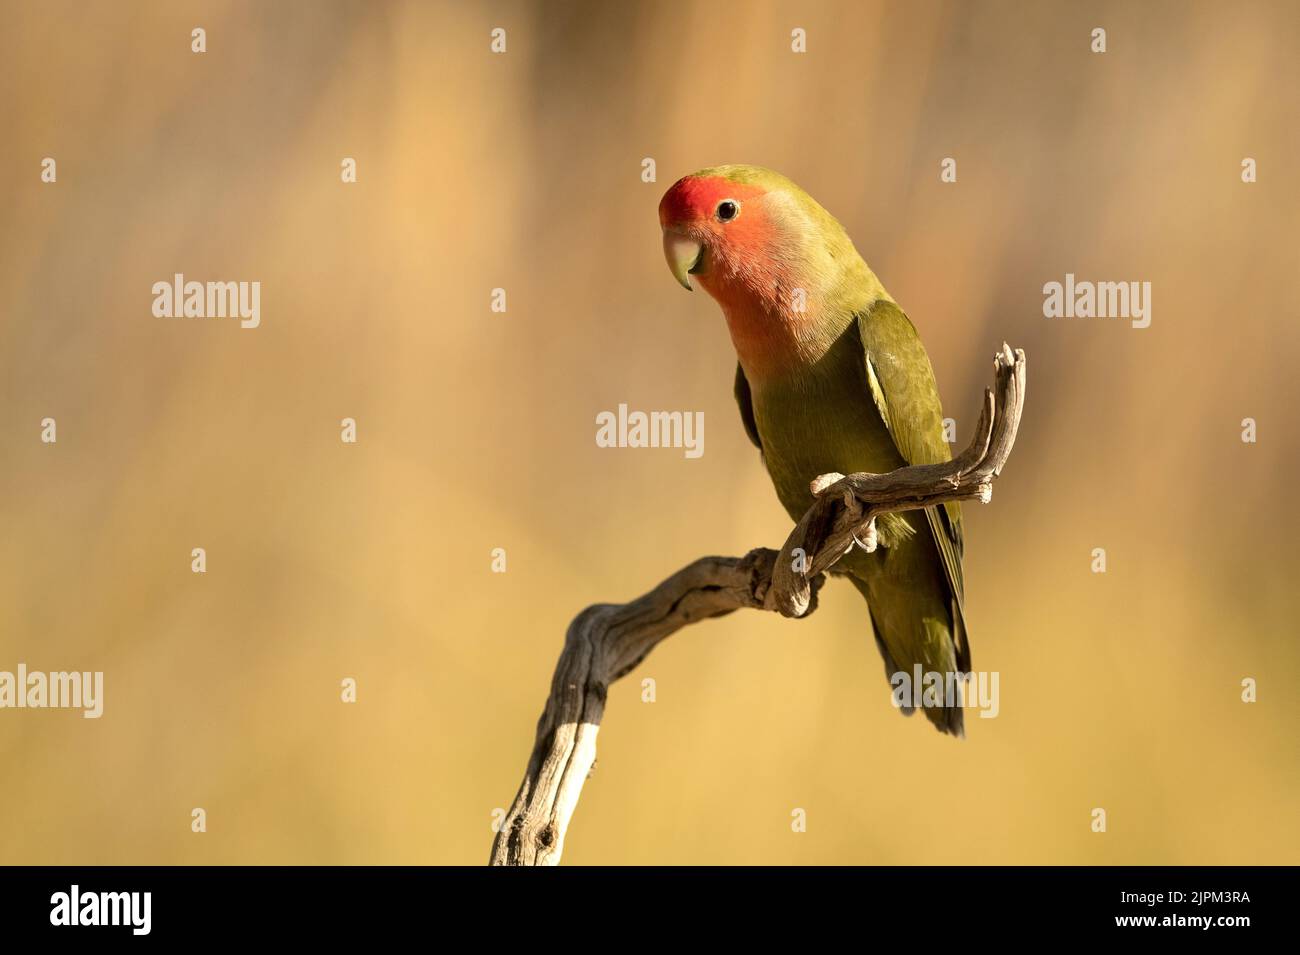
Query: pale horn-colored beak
{"points": [[683, 254]]}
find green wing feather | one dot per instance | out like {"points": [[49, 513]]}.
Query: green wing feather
{"points": [[903, 389]]}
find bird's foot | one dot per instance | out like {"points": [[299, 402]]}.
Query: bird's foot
{"points": [[869, 540]]}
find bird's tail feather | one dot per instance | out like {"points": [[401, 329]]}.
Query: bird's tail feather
{"points": [[947, 714]]}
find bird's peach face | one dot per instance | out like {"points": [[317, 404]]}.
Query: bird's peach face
{"points": [[708, 223]]}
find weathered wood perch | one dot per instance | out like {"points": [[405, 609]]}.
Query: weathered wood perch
{"points": [[606, 641]]}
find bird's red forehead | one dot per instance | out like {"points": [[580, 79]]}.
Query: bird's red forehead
{"points": [[695, 197]]}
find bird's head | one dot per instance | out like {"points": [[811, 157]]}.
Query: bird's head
{"points": [[760, 245], [729, 225]]}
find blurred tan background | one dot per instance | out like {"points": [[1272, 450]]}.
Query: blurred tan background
{"points": [[476, 430]]}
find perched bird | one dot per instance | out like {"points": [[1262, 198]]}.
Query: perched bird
{"points": [[831, 377]]}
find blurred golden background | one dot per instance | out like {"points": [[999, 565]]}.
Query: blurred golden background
{"points": [[476, 430]]}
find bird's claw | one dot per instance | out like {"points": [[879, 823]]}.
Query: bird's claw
{"points": [[869, 545]]}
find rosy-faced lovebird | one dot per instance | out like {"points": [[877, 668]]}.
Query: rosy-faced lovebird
{"points": [[831, 377]]}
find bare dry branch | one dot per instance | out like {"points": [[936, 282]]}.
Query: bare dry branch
{"points": [[606, 641]]}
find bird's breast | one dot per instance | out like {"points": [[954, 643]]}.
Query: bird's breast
{"points": [[820, 421]]}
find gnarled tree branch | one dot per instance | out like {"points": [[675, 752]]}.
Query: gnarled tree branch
{"points": [[606, 641]]}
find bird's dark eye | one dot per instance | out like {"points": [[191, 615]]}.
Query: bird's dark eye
{"points": [[728, 209]]}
